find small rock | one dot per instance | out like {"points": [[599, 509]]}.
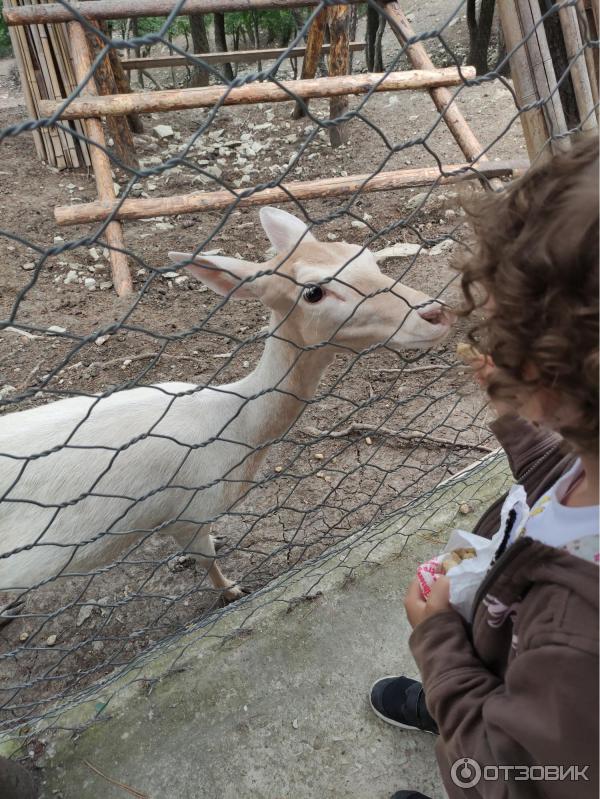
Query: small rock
{"points": [[106, 284], [56, 329], [84, 613], [368, 440], [278, 469], [58, 239], [402, 250], [332, 237], [6, 390], [23, 637], [94, 254], [90, 283], [163, 132], [170, 275], [28, 266], [51, 640], [72, 277], [101, 340], [319, 456], [442, 247], [164, 226], [357, 223], [181, 280], [295, 724], [464, 508], [97, 646]]}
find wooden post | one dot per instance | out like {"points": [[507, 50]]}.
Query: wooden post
{"points": [[338, 19], [310, 62], [101, 163], [288, 192], [543, 72], [118, 127], [535, 128]]}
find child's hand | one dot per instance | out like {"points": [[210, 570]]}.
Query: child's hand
{"points": [[419, 609]]}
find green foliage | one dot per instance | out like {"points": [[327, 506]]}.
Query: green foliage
{"points": [[4, 37], [179, 27], [273, 25]]}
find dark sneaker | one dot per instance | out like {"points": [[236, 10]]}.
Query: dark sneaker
{"points": [[401, 701], [409, 795]]}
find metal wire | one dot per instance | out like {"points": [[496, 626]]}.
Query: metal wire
{"points": [[380, 433]]}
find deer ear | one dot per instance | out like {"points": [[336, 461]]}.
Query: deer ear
{"points": [[283, 229], [225, 276]]}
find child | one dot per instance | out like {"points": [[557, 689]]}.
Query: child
{"points": [[518, 686]]}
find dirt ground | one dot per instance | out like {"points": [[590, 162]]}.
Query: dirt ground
{"points": [[305, 503]]}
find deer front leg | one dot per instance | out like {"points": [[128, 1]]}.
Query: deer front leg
{"points": [[200, 545]]}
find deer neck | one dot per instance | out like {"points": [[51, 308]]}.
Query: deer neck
{"points": [[285, 379]]}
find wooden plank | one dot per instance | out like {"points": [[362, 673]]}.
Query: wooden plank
{"points": [[533, 122], [53, 32], [338, 20], [586, 29], [308, 190], [579, 73], [286, 91], [101, 163], [312, 53], [237, 56], [542, 69], [117, 9], [17, 45]]}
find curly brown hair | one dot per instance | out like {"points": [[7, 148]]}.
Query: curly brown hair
{"points": [[534, 264]]}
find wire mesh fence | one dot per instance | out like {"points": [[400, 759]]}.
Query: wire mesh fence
{"points": [[168, 452]]}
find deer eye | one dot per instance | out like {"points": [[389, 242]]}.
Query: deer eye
{"points": [[313, 293]]}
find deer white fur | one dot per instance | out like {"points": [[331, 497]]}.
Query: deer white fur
{"points": [[83, 480]]}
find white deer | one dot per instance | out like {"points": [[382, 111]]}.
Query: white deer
{"points": [[84, 480]]}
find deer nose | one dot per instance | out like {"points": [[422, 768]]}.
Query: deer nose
{"points": [[436, 314]]}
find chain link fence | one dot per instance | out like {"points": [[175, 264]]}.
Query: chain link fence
{"points": [[259, 410]]}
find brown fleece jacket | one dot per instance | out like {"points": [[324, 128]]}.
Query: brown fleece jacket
{"points": [[519, 687]]}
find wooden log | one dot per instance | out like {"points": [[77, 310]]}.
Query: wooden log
{"points": [[442, 98], [286, 91], [579, 73], [234, 56], [533, 121], [338, 20], [117, 9], [307, 190], [542, 69], [101, 164], [314, 48], [118, 127]]}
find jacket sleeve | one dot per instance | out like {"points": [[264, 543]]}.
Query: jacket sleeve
{"points": [[523, 442], [537, 715]]}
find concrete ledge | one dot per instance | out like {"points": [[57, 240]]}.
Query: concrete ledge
{"points": [[268, 699]]}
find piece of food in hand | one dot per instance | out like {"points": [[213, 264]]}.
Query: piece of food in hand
{"points": [[427, 574], [467, 353], [455, 557]]}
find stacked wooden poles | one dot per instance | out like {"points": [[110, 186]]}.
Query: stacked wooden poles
{"points": [[82, 64]]}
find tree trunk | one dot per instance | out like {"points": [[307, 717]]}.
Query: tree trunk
{"points": [[379, 67], [372, 25], [221, 43], [480, 31], [200, 44], [353, 24]]}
